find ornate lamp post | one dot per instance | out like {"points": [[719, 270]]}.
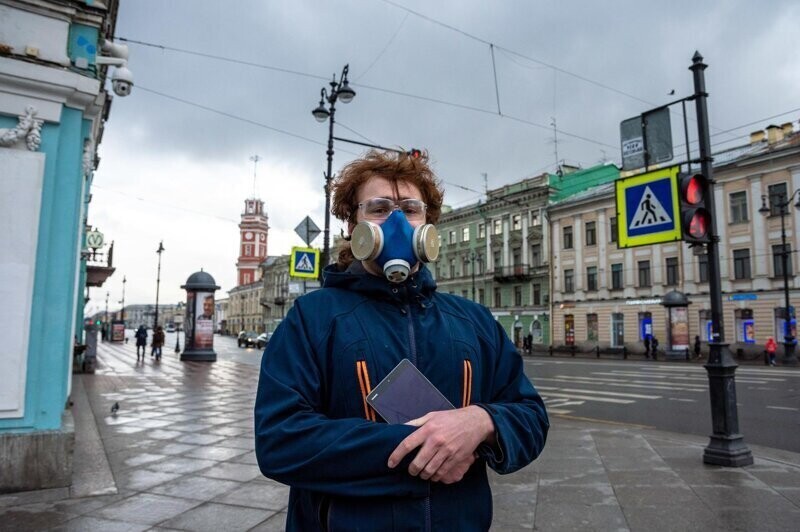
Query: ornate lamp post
{"points": [[472, 258], [160, 250], [789, 356], [124, 280], [339, 91]]}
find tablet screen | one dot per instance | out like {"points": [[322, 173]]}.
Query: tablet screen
{"points": [[406, 394]]}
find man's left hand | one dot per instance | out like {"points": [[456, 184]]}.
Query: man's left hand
{"points": [[448, 440]]}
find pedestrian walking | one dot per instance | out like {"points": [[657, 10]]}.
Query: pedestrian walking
{"points": [[158, 342], [770, 347], [646, 346], [530, 342], [654, 347], [697, 347], [141, 341], [379, 306]]}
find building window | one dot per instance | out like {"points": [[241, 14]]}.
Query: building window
{"points": [[481, 298], [516, 222], [451, 237], [518, 296], [644, 273], [777, 195], [745, 325], [536, 255], [465, 234], [592, 328], [497, 300], [738, 205], [569, 281], [591, 234], [613, 230], [248, 250], [246, 279], [537, 294], [672, 271], [616, 276], [481, 230], [741, 264], [464, 294], [702, 264], [452, 268], [498, 263], [591, 278], [498, 227], [566, 241], [516, 257], [777, 259], [535, 220]]}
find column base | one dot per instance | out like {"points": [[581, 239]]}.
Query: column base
{"points": [[199, 355], [728, 451]]}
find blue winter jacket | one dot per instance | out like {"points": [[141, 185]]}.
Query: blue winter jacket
{"points": [[315, 432]]}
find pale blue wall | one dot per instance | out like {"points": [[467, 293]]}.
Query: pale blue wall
{"points": [[53, 309]]}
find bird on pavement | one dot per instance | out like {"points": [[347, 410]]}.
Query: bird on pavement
{"points": [[114, 409]]}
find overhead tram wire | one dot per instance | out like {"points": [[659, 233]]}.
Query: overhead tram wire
{"points": [[235, 117], [523, 56], [365, 86]]}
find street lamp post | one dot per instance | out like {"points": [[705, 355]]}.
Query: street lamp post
{"points": [[158, 281], [789, 356], [472, 259], [124, 280], [339, 91], [105, 321]]}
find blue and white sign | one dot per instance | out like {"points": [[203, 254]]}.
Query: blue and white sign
{"points": [[304, 263], [647, 208]]}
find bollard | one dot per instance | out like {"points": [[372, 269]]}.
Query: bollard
{"points": [[597, 349], [550, 348], [624, 353]]}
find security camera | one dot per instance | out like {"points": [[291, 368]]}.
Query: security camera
{"points": [[122, 81]]}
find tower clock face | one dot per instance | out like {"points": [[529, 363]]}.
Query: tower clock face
{"points": [[248, 236], [262, 237]]}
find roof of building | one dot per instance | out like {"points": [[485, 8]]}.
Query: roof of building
{"points": [[569, 185]]}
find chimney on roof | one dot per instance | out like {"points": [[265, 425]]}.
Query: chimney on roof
{"points": [[774, 134], [757, 136], [787, 128]]}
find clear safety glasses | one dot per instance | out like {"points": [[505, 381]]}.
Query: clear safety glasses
{"points": [[381, 208]]}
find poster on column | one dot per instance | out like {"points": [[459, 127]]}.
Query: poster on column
{"points": [[188, 322], [204, 323], [679, 320]]}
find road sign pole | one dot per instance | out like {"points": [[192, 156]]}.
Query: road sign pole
{"points": [[726, 446]]}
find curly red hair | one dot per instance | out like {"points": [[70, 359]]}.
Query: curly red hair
{"points": [[395, 168]]}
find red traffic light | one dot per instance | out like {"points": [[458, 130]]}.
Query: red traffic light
{"points": [[693, 189], [697, 223]]}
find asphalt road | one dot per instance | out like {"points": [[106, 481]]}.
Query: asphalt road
{"points": [[671, 396], [667, 396]]}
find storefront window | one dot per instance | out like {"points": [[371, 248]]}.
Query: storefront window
{"points": [[591, 327], [745, 326], [705, 325], [617, 329], [645, 325], [780, 324], [569, 329], [536, 332]]}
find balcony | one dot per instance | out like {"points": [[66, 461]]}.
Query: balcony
{"points": [[510, 274]]}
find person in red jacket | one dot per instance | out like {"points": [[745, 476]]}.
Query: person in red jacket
{"points": [[770, 347]]}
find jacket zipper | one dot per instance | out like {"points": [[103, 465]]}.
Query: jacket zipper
{"points": [[363, 382], [466, 398], [413, 353]]}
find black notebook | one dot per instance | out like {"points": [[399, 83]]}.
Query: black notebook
{"points": [[406, 394]]}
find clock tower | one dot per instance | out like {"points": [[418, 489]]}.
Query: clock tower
{"points": [[253, 231]]}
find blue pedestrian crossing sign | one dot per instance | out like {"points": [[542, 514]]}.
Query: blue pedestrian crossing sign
{"points": [[304, 263], [648, 208]]}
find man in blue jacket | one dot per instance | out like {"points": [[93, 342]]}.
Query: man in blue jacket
{"points": [[314, 429]]}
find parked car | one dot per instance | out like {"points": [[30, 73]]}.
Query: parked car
{"points": [[263, 340], [170, 328], [247, 339]]}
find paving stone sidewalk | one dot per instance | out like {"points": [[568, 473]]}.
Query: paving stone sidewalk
{"points": [[179, 456]]}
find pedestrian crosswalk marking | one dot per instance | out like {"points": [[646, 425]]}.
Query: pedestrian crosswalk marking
{"points": [[649, 211]]}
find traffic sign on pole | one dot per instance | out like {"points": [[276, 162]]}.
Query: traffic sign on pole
{"points": [[304, 263], [648, 208], [307, 230]]}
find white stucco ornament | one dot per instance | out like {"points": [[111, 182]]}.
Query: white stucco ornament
{"points": [[88, 158], [28, 128]]}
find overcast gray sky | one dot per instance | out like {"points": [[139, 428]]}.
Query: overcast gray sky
{"points": [[424, 78]]}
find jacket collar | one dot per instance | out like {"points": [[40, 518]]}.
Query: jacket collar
{"points": [[418, 287]]}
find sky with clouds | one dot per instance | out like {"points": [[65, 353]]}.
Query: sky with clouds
{"points": [[217, 82]]}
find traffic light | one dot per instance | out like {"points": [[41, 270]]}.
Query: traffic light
{"points": [[695, 196], [414, 153]]}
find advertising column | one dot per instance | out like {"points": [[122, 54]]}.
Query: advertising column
{"points": [[199, 321]]}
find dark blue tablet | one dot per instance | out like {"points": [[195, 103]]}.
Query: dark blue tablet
{"points": [[406, 394]]}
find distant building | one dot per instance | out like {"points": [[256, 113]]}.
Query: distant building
{"points": [[244, 308], [277, 296], [254, 235]]}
